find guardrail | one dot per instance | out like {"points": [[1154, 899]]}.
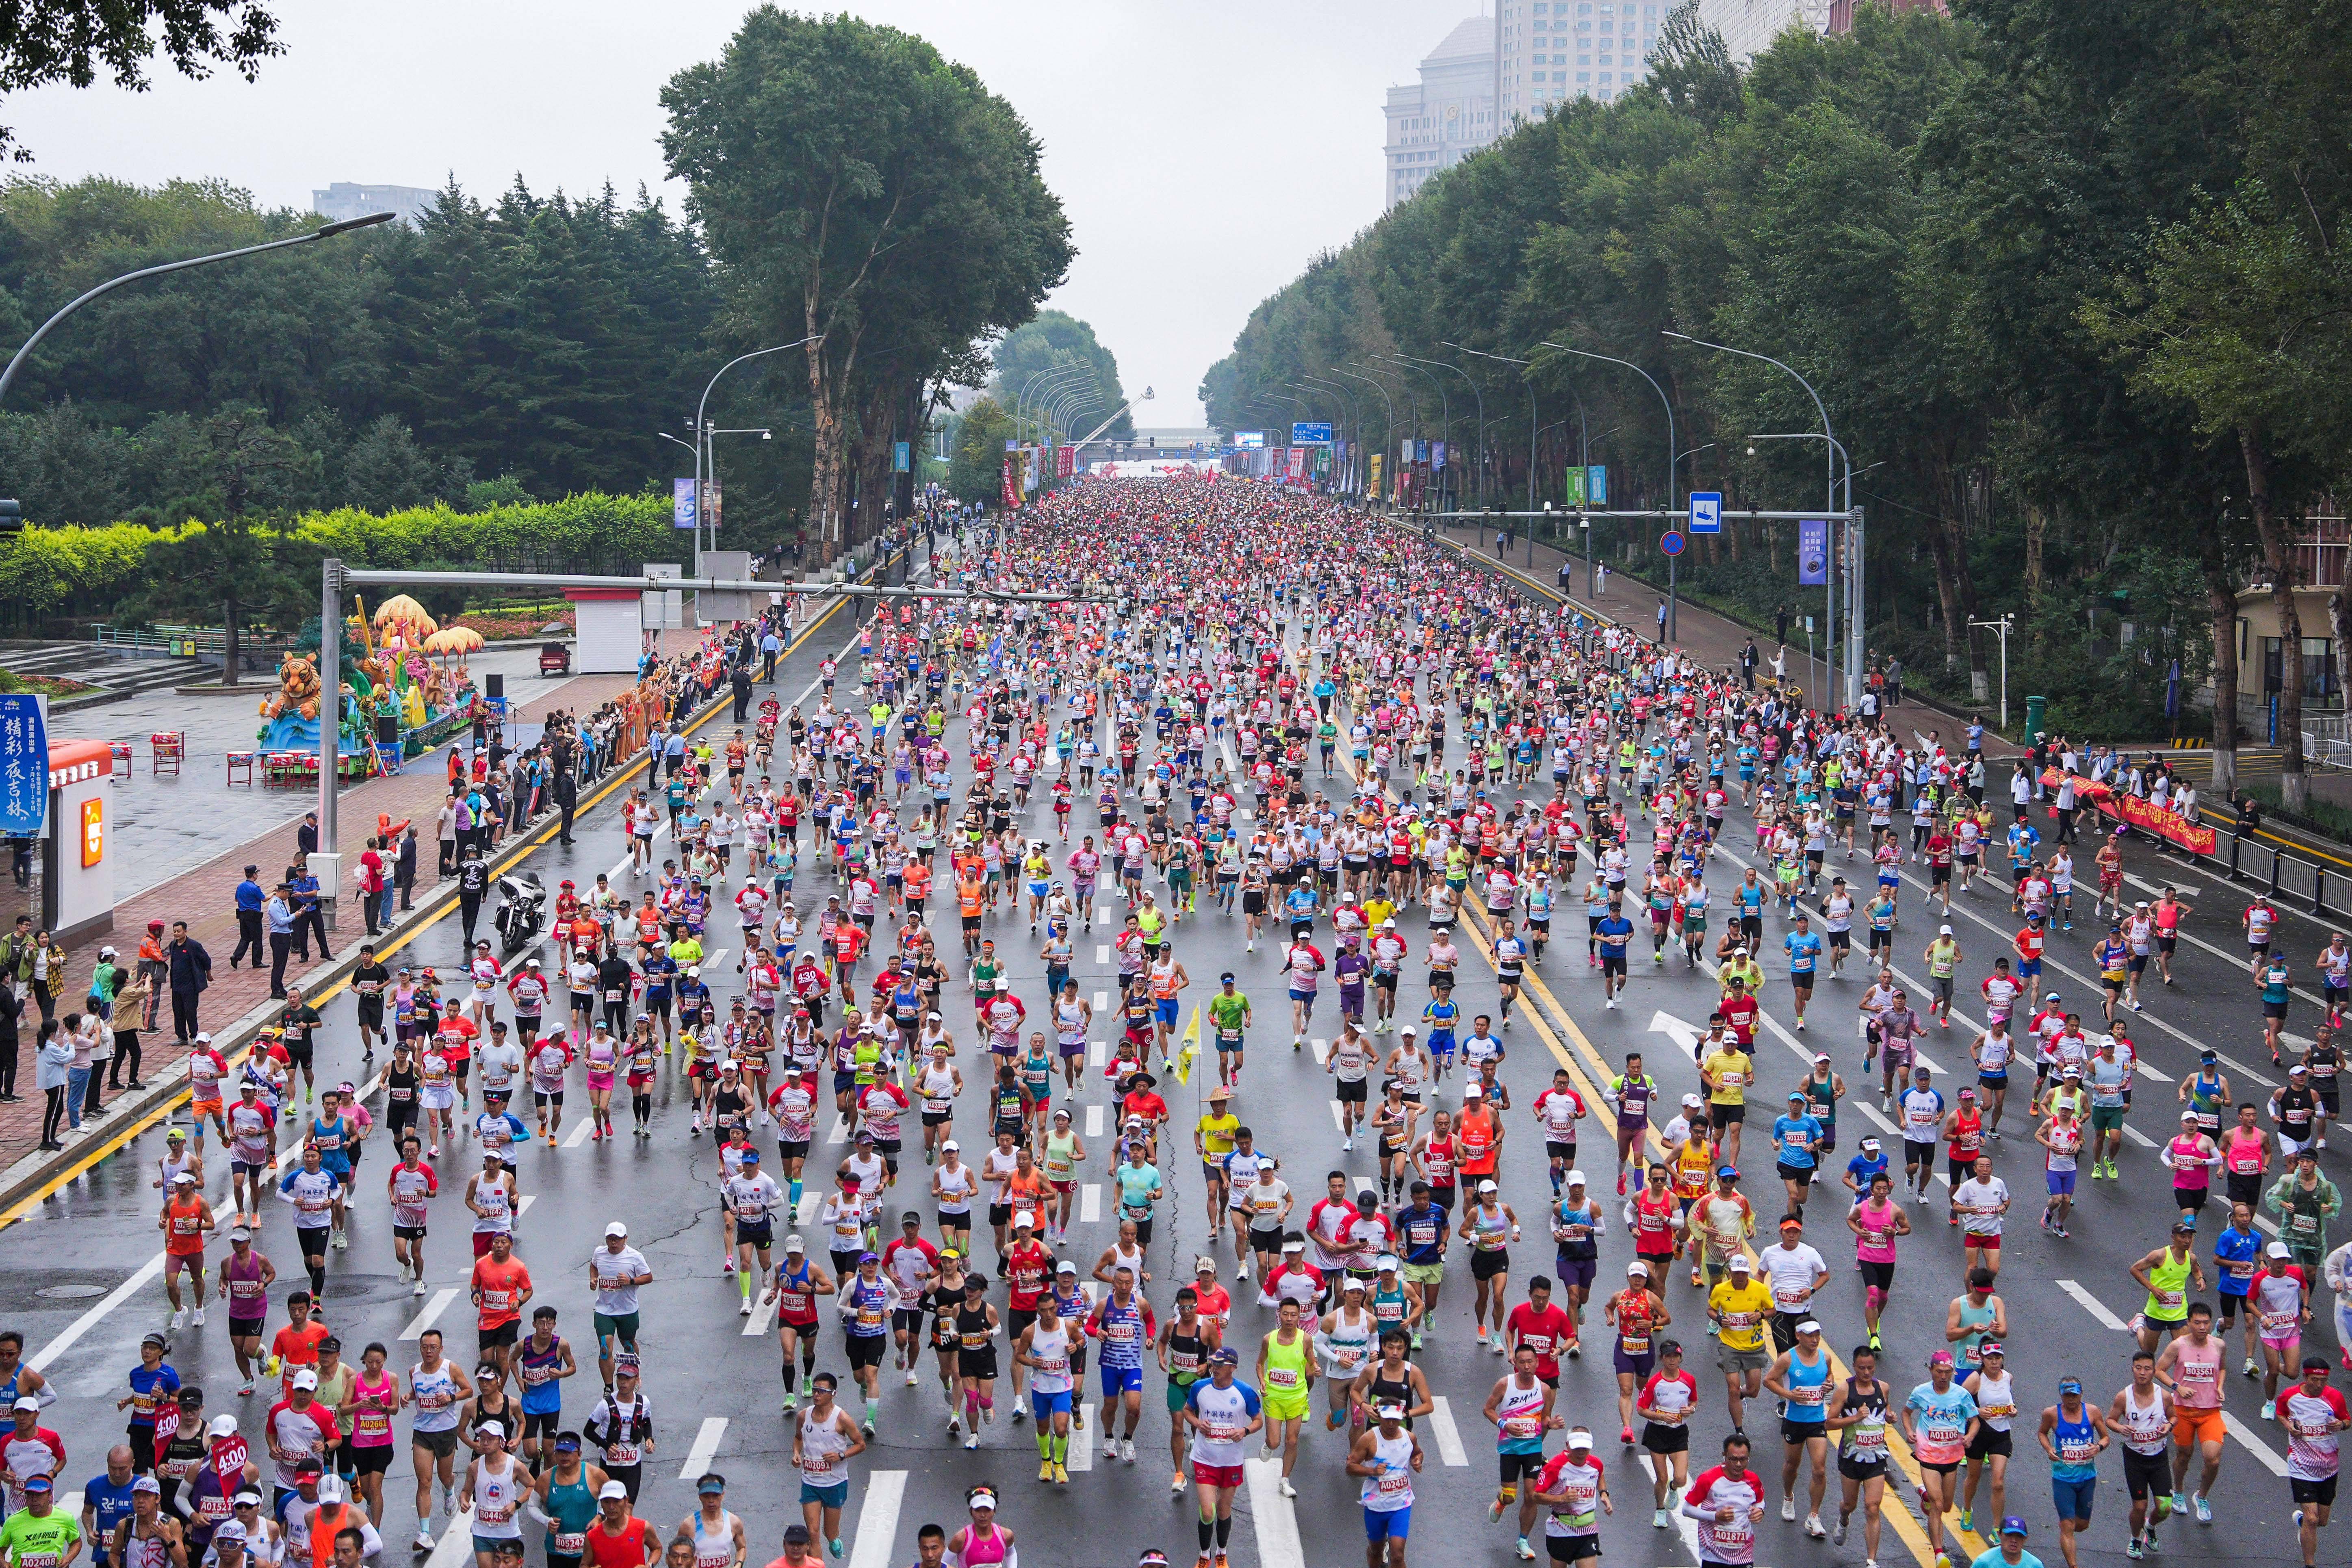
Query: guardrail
{"points": [[187, 642]]}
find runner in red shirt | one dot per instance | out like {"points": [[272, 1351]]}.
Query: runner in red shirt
{"points": [[1544, 1328]]}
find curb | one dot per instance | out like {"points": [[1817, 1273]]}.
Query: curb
{"points": [[35, 1175]]}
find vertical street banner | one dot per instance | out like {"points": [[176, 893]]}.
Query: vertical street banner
{"points": [[710, 507], [681, 503], [1436, 455], [1596, 485], [1011, 498], [1375, 476], [1297, 463], [1813, 552], [1572, 483], [902, 457], [24, 764], [1065, 461]]}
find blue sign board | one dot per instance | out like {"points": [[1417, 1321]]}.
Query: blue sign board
{"points": [[24, 764], [1596, 485], [1813, 552], [1249, 440], [1671, 543], [681, 504], [1310, 435], [902, 456], [1706, 511]]}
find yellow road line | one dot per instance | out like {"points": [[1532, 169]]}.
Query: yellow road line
{"points": [[521, 849], [1893, 1511]]}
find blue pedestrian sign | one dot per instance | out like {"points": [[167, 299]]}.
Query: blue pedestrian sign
{"points": [[1706, 511], [24, 765]]}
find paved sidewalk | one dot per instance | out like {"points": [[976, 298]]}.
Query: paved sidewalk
{"points": [[164, 825], [1713, 640]]}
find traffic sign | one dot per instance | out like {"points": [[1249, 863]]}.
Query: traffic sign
{"points": [[1671, 543], [1706, 511], [1304, 433]]}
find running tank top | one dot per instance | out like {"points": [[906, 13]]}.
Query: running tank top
{"points": [[714, 1545]]}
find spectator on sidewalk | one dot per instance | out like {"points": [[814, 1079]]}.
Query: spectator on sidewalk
{"points": [[11, 1017], [277, 914], [371, 882], [309, 919], [154, 974], [126, 1016], [1749, 659], [1780, 620], [249, 899], [403, 876], [190, 972], [306, 837], [54, 1058]]}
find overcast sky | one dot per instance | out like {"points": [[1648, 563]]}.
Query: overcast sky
{"points": [[1205, 149]]}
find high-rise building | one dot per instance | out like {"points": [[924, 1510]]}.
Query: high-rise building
{"points": [[1446, 115], [344, 200], [1548, 51], [1748, 26]]}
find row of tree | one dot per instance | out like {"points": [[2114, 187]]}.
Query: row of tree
{"points": [[2069, 278]]}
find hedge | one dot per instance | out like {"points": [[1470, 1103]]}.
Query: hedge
{"points": [[52, 572]]}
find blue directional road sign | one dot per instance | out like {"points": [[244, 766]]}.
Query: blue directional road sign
{"points": [[1706, 511], [1304, 435]]}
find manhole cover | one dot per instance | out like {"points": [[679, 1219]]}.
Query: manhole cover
{"points": [[70, 1293]]}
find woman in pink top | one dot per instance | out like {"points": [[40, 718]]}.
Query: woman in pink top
{"points": [[982, 1543], [1876, 1222], [367, 1416], [2194, 1158]]}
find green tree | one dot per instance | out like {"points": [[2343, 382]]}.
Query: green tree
{"points": [[875, 199], [47, 41], [1049, 346], [975, 470]]}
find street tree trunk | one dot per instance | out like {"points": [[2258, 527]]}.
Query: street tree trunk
{"points": [[229, 659], [2278, 556]]}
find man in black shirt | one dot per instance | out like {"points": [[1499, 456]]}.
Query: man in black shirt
{"points": [[368, 983], [473, 881], [296, 1026]]}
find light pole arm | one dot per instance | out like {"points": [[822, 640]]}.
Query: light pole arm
{"points": [[9, 377]]}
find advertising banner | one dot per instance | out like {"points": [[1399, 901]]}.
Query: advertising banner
{"points": [[1375, 475], [1437, 454], [1065, 461], [1812, 551], [681, 503], [24, 764], [1009, 497]]}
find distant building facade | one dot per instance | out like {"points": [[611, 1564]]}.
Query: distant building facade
{"points": [[1446, 115], [1548, 51], [345, 200]]}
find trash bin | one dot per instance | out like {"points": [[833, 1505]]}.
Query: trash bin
{"points": [[2036, 708]]}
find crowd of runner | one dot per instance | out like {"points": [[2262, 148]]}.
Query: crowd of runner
{"points": [[1386, 770]]}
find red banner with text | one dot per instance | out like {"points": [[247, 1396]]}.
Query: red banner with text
{"points": [[2146, 815], [1011, 492]]}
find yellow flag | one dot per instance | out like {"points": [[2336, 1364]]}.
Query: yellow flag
{"points": [[1191, 1047]]}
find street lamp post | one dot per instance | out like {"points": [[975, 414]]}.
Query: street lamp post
{"points": [[326, 231], [1673, 616], [703, 425], [1854, 618], [1353, 468], [1524, 368], [2003, 626], [1481, 396], [1388, 425], [1444, 413]]}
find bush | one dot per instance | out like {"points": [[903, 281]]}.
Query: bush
{"points": [[49, 573]]}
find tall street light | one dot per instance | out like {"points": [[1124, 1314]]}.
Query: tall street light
{"points": [[1672, 596], [1444, 412], [1525, 376], [702, 433], [1388, 422], [1481, 396], [326, 231], [1372, 370], [1351, 469], [1854, 609]]}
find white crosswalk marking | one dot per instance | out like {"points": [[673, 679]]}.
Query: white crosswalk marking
{"points": [[1102, 1000], [455, 1547], [762, 1318], [1339, 1115], [435, 1305], [579, 1131], [1449, 1439], [1102, 914], [810, 1203], [878, 1519], [1094, 1121], [839, 1132], [1322, 1050], [2093, 1305], [1274, 1516], [1102, 955], [706, 1447], [1098, 1052], [1089, 1203]]}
